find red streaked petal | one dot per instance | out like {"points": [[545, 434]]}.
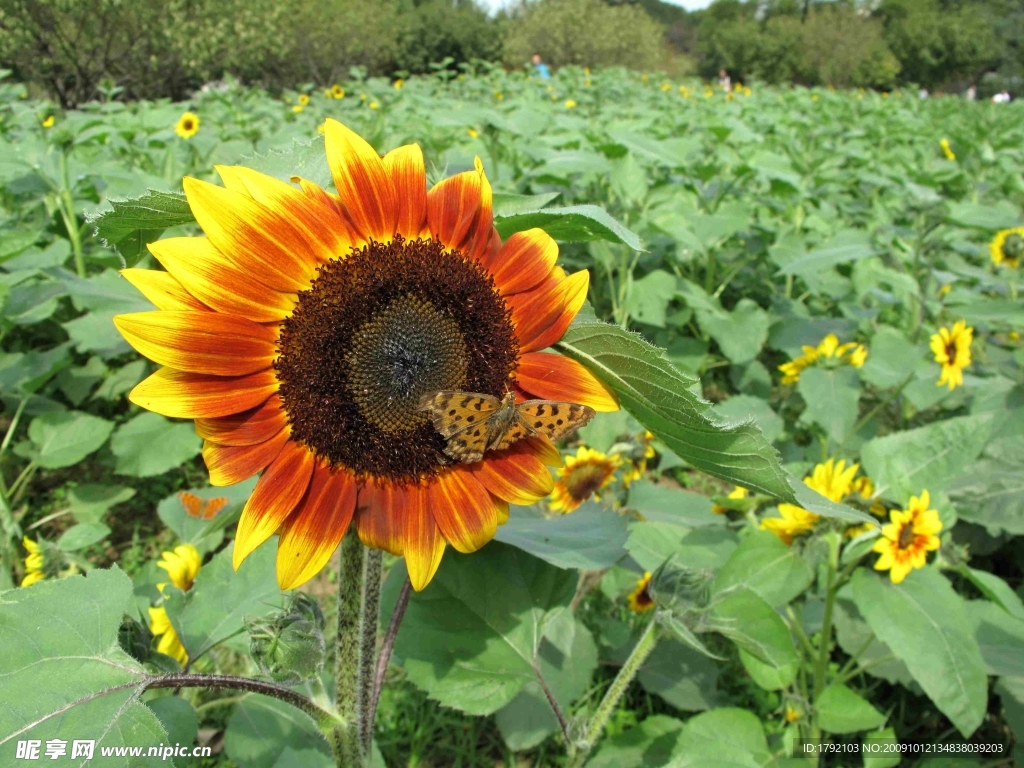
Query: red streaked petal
{"points": [[553, 377], [487, 247], [163, 290], [452, 208], [230, 464], [544, 450], [261, 241], [363, 184], [483, 236], [313, 531], [541, 317], [247, 428], [515, 475], [409, 179], [277, 493], [463, 509], [183, 395], [423, 544], [524, 261], [218, 282], [501, 510], [380, 521], [200, 342]]}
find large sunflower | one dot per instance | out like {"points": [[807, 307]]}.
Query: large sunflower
{"points": [[302, 331]]}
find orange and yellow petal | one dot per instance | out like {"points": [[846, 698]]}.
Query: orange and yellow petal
{"points": [[200, 342], [452, 208], [380, 521], [230, 464], [408, 174], [524, 261], [541, 317], [515, 475], [362, 181], [184, 395], [315, 528], [249, 427], [423, 542], [217, 282], [554, 377], [277, 493], [163, 290], [463, 509]]}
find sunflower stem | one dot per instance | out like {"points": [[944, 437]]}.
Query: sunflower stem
{"points": [[579, 752], [387, 646], [369, 622], [344, 737]]}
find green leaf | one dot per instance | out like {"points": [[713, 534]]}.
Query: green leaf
{"points": [[847, 245], [150, 445], [722, 737], [766, 566], [753, 625], [990, 492], [686, 679], [996, 590], [1002, 215], [506, 204], [924, 623], [765, 675], [928, 458], [65, 438], [651, 744], [840, 710], [180, 721], [649, 297], [590, 538], [65, 676], [668, 504], [573, 224], [855, 636], [886, 744], [14, 241], [740, 334], [890, 359], [658, 396], [213, 609], [121, 381], [89, 502], [466, 649], [832, 398], [998, 312], [204, 535], [651, 544], [1000, 637], [82, 535], [130, 224], [739, 408], [307, 159], [262, 728]]}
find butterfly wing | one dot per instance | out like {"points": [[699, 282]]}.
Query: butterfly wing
{"points": [[213, 506], [548, 418], [191, 503], [453, 412]]}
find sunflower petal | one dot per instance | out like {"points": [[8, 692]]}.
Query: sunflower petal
{"points": [[183, 395], [452, 208], [515, 475], [230, 464], [409, 177], [247, 428], [553, 377], [259, 240], [544, 450], [163, 290], [200, 342], [316, 527], [217, 281], [541, 317], [363, 184], [524, 261], [424, 544], [463, 509], [483, 237], [277, 493], [380, 521]]}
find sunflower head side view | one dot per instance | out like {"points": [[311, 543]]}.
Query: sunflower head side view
{"points": [[303, 330]]}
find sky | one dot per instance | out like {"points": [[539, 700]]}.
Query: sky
{"points": [[690, 5]]}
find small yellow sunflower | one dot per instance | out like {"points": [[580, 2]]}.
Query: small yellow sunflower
{"points": [[182, 565], [952, 350], [187, 125], [908, 538], [946, 150], [337, 92], [499, 96], [570, 104], [49, 121], [739, 492], [640, 600], [399, 83], [169, 643], [296, 108], [34, 563], [303, 99], [1007, 247], [303, 330], [374, 105], [473, 132], [832, 479], [829, 351], [643, 453], [583, 476], [792, 714]]}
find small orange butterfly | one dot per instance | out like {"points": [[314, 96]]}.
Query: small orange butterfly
{"points": [[474, 423], [203, 510]]}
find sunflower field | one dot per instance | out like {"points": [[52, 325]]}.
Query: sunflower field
{"points": [[776, 337]]}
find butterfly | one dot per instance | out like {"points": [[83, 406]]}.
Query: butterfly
{"points": [[474, 423], [196, 507]]}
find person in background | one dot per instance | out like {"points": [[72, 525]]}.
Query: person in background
{"points": [[540, 67], [724, 81], [1001, 98], [972, 93]]}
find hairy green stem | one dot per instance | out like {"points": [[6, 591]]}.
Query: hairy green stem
{"points": [[578, 753], [66, 204], [369, 621], [344, 737]]}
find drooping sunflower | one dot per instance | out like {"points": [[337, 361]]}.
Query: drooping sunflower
{"points": [[833, 480], [187, 125], [640, 600], [830, 351], [1007, 247], [182, 565], [908, 538], [583, 476], [303, 330], [34, 563], [952, 350]]}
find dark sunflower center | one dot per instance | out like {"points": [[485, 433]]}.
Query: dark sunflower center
{"points": [[187, 125], [906, 537], [951, 352], [644, 599], [373, 334], [1013, 246], [585, 480]]}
